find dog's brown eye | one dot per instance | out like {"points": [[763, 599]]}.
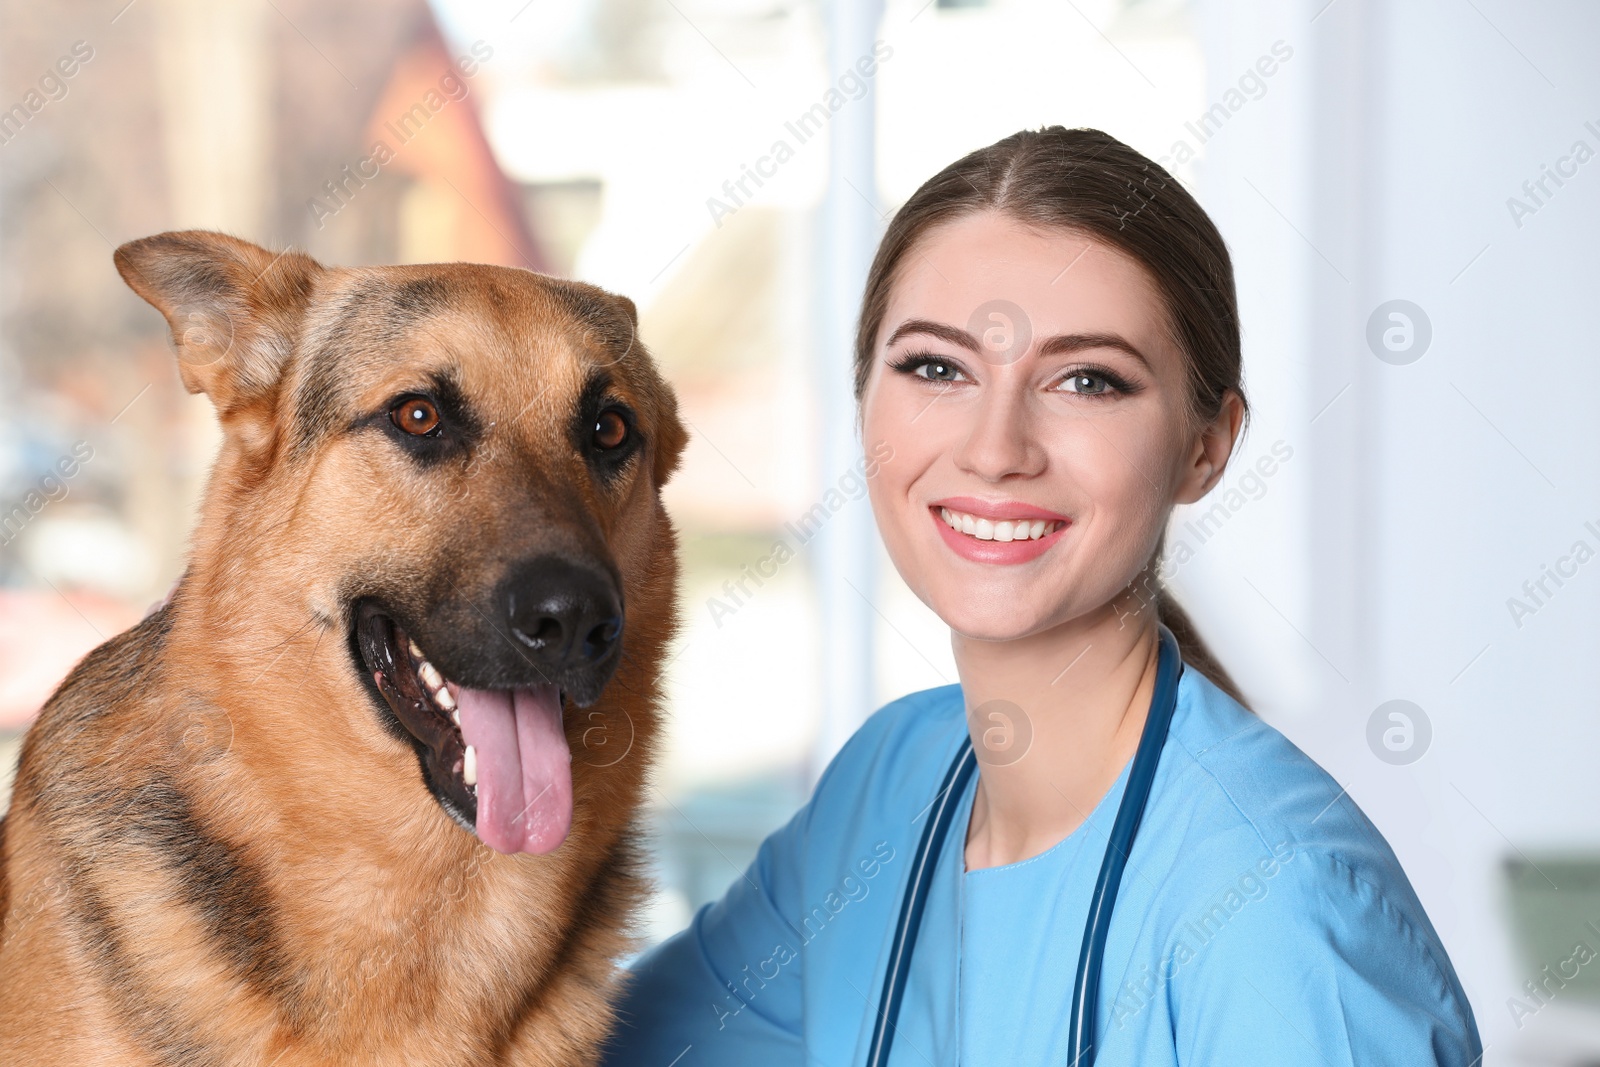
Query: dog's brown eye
{"points": [[416, 415], [610, 430]]}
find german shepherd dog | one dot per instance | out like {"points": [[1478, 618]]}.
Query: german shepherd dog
{"points": [[365, 789]]}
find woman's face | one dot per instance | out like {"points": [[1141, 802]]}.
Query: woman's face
{"points": [[1037, 409]]}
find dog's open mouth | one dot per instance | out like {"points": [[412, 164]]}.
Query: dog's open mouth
{"points": [[496, 759]]}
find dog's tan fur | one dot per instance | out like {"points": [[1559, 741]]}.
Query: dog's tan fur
{"points": [[215, 854]]}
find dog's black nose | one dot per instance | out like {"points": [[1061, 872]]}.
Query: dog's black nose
{"points": [[567, 615]]}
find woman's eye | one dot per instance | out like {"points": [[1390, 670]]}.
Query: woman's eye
{"points": [[1088, 384], [415, 415], [938, 371], [610, 430]]}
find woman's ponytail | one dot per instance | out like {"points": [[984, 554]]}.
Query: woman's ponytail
{"points": [[1196, 653]]}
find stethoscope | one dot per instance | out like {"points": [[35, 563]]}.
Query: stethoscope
{"points": [[1086, 990]]}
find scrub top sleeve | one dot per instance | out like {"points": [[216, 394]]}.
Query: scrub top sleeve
{"points": [[727, 990], [1314, 965]]}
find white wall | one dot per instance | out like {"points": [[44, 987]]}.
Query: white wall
{"points": [[1378, 166]]}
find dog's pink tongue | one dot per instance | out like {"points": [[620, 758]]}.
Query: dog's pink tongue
{"points": [[524, 766]]}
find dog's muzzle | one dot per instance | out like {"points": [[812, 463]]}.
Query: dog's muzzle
{"points": [[485, 703]]}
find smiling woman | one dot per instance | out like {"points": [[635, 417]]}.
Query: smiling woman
{"points": [[1049, 346]]}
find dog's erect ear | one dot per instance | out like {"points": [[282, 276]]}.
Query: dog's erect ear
{"points": [[234, 309]]}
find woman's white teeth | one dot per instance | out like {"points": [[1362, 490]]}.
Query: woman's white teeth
{"points": [[469, 766], [1003, 530]]}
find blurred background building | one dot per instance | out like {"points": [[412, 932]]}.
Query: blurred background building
{"points": [[1406, 187]]}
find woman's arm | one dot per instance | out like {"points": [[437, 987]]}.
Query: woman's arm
{"points": [[728, 989], [722, 991]]}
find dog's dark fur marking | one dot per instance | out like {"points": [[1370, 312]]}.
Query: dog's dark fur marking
{"points": [[602, 319], [460, 428], [150, 1023], [196, 278], [107, 676], [213, 878], [453, 403], [321, 402], [202, 280], [585, 306], [595, 393], [320, 405], [420, 297], [219, 882]]}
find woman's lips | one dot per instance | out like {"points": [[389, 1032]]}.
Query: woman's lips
{"points": [[997, 509], [996, 533]]}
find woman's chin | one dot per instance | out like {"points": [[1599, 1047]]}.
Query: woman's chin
{"points": [[993, 622]]}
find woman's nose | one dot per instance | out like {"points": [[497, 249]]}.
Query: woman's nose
{"points": [[1000, 441]]}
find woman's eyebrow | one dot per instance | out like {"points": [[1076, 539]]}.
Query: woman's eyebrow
{"points": [[1066, 343], [935, 329], [1061, 344]]}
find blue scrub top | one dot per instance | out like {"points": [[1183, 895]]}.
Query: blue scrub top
{"points": [[1262, 920]]}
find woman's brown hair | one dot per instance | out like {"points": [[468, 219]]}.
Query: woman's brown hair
{"points": [[1090, 182]]}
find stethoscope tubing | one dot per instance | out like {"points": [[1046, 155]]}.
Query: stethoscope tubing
{"points": [[915, 899], [1130, 813]]}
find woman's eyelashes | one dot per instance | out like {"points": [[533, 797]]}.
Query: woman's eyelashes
{"points": [[1087, 380], [1096, 382], [929, 367]]}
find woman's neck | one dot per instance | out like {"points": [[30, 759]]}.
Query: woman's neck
{"points": [[1054, 718]]}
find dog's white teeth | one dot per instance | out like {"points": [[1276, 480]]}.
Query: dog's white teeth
{"points": [[469, 766], [444, 699], [455, 717], [416, 653], [430, 675]]}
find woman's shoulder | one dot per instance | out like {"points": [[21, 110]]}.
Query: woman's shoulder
{"points": [[1288, 878], [1243, 777], [1255, 803]]}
